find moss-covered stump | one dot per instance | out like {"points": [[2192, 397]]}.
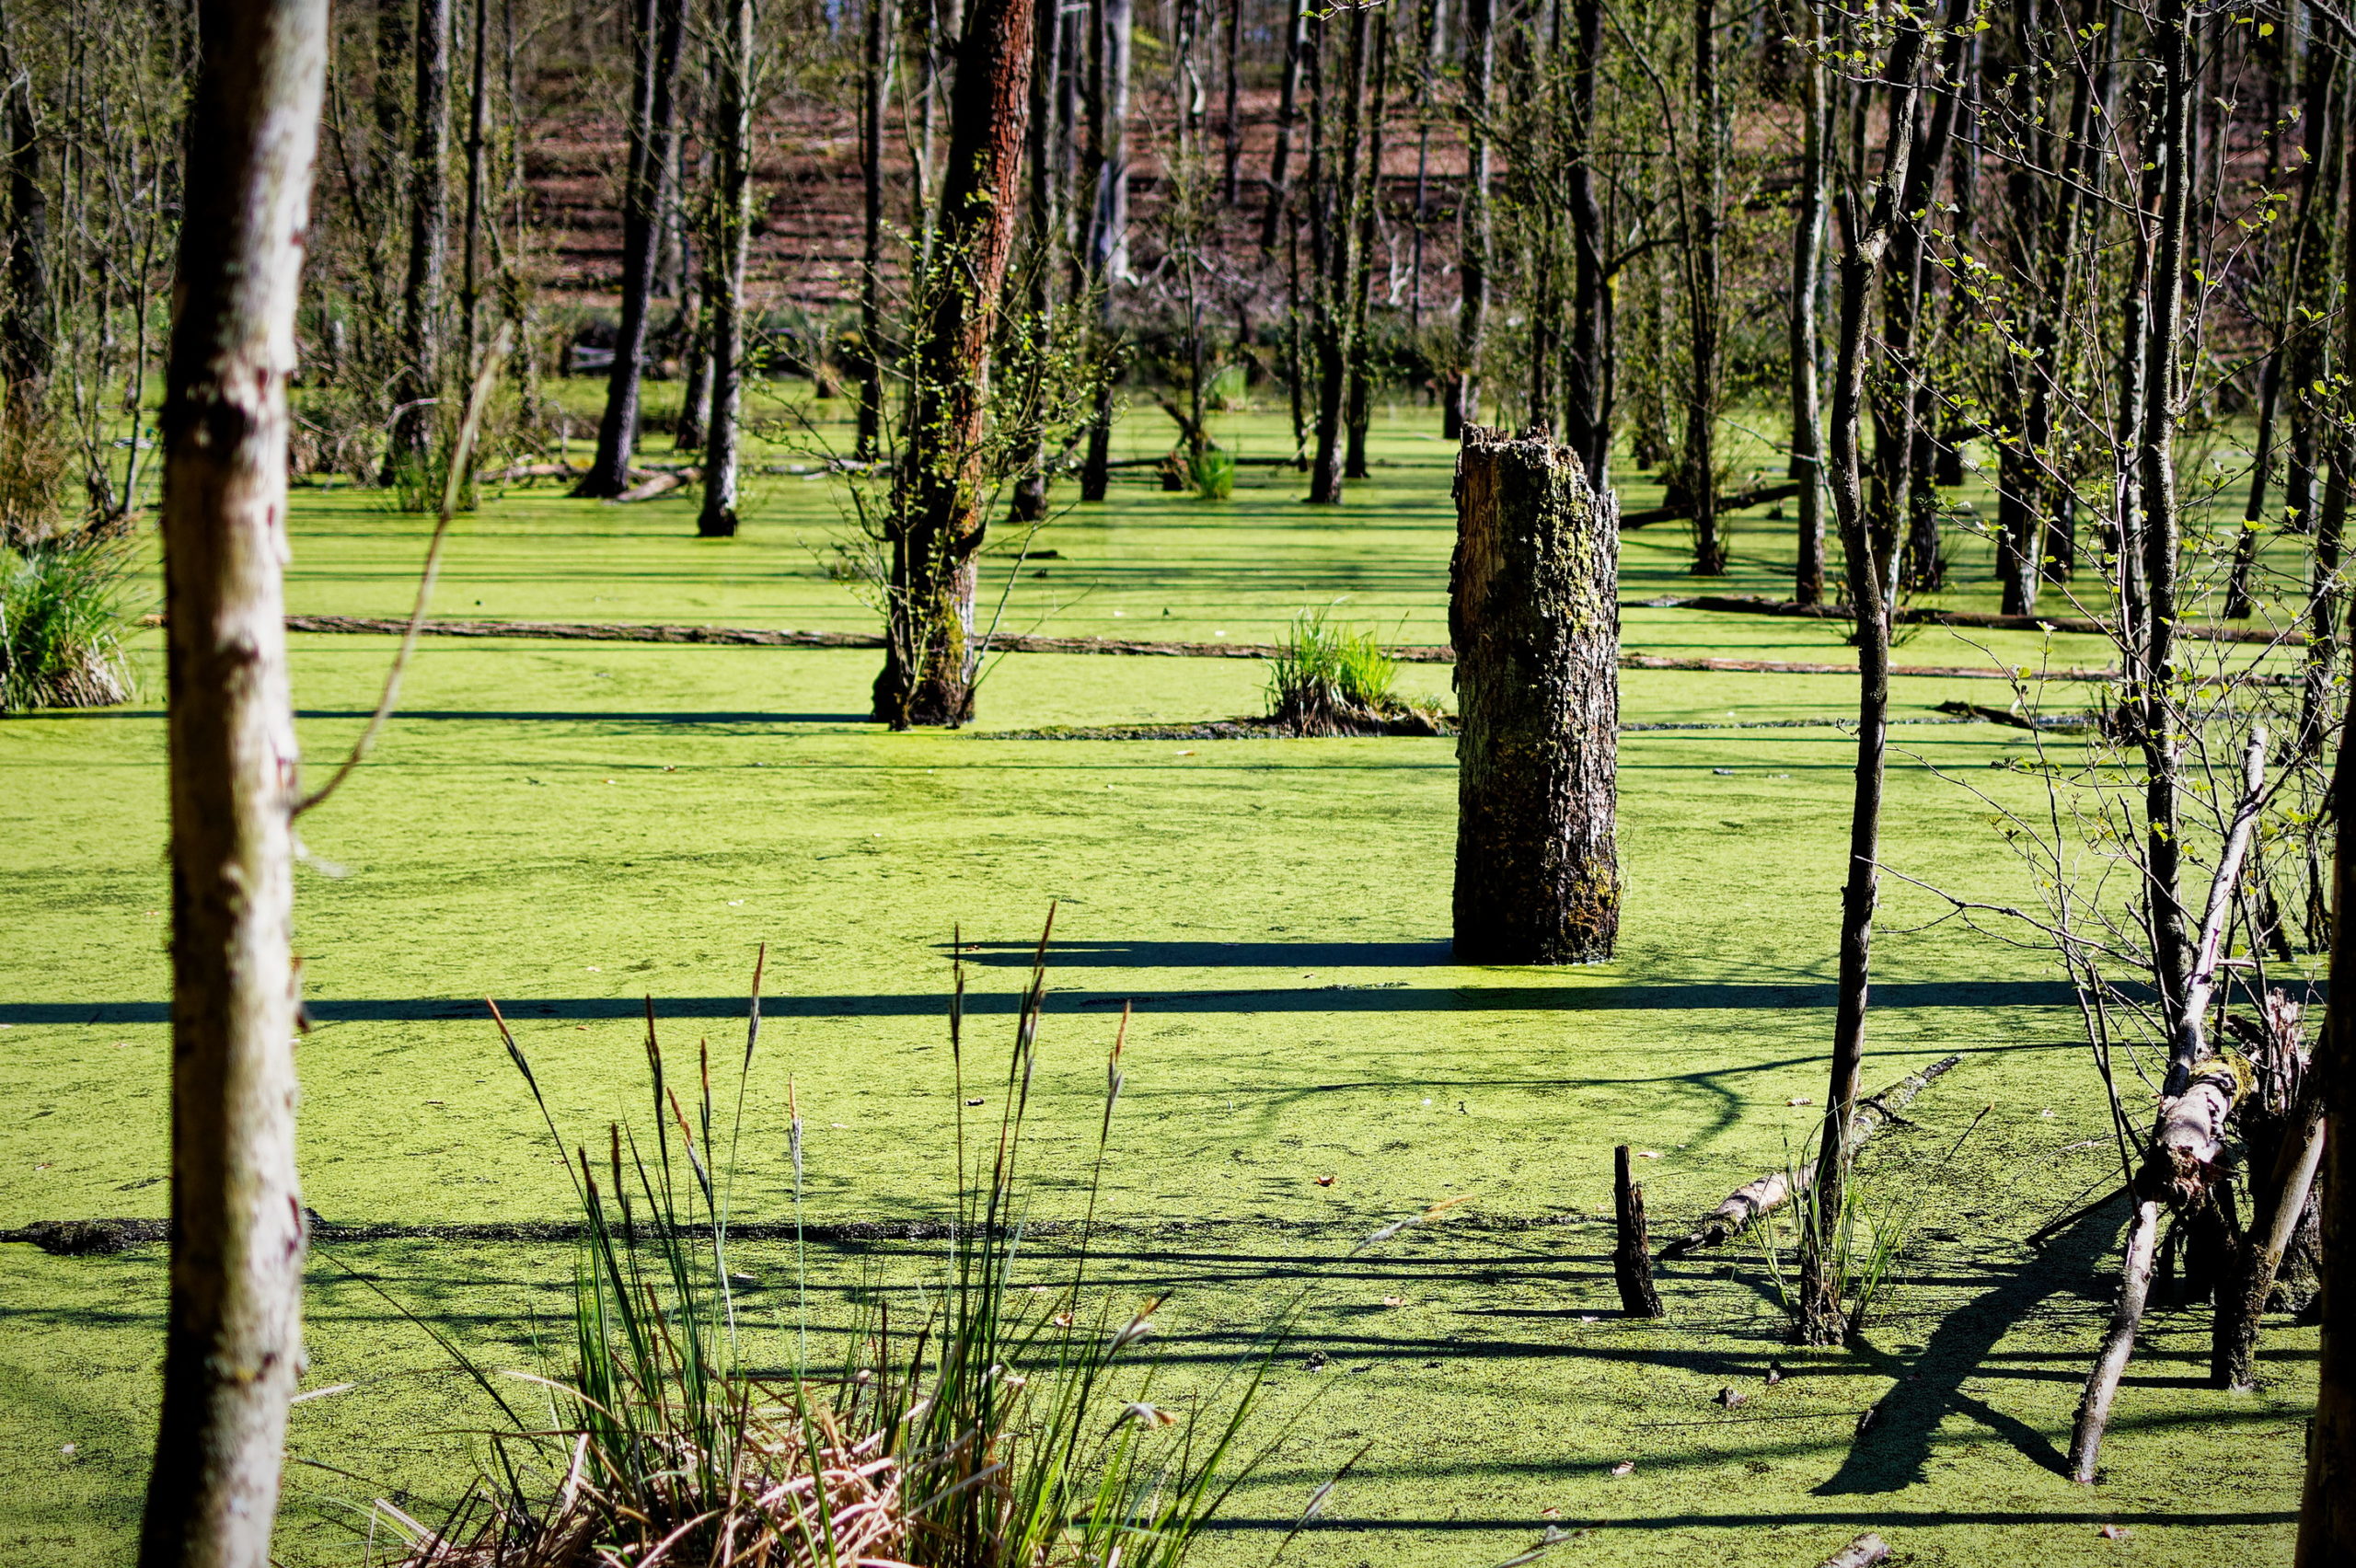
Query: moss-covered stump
{"points": [[1533, 615]]}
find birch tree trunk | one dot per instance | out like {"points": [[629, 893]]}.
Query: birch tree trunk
{"points": [[936, 522], [732, 228], [1533, 614], [232, 1337]]}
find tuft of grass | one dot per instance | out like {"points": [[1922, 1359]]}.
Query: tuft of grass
{"points": [[60, 627], [1212, 474], [1009, 1429], [1329, 680]]}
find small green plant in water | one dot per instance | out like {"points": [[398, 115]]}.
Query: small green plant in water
{"points": [[1212, 474], [60, 627], [1015, 1427], [1330, 680]]}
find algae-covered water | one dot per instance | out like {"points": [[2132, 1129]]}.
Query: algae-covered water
{"points": [[572, 828]]}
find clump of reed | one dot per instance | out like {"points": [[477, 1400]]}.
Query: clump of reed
{"points": [[1329, 680], [61, 626], [1011, 1429]]}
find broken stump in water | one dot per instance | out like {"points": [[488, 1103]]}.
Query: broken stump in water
{"points": [[1632, 1259], [1533, 611]]}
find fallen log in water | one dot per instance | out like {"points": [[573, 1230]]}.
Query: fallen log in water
{"points": [[1747, 1203], [660, 484], [765, 636], [1915, 615], [1758, 495]]}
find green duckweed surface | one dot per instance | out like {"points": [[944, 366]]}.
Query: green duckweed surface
{"points": [[575, 828]]}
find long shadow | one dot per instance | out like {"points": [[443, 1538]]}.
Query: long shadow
{"points": [[1212, 955], [588, 716], [1894, 1453], [1604, 995]]}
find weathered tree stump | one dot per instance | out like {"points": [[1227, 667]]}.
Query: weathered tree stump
{"points": [[1533, 614], [1632, 1259]]}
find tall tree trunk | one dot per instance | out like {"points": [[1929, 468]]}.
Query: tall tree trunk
{"points": [[875, 104], [1706, 294], [478, 148], [1361, 405], [2158, 722], [658, 63], [1587, 428], [1531, 611], [233, 1348], [1806, 343], [1333, 315], [25, 350], [1288, 119], [726, 247], [1462, 406], [1109, 229], [1872, 565], [2328, 1508], [937, 525], [429, 244], [1047, 182], [1900, 447], [1231, 119]]}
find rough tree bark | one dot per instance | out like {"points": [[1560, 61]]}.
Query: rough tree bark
{"points": [[1533, 616], [232, 1331], [663, 25], [1632, 1261], [1871, 564], [429, 245], [1461, 407], [725, 246], [937, 525]]}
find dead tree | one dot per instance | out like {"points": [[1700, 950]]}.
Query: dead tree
{"points": [[1632, 1261], [875, 99], [1872, 588], [1360, 411], [936, 525], [1462, 405], [1336, 211], [1533, 616], [660, 27], [725, 250], [1705, 290], [1586, 422], [429, 246], [233, 1346]]}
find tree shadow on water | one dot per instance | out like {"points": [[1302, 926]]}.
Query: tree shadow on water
{"points": [[1893, 1453]]}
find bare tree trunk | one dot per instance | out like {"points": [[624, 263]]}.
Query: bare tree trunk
{"points": [[429, 244], [725, 247], [664, 24], [875, 103], [1462, 405], [1531, 611], [1333, 313], [1632, 1259], [1871, 589], [1361, 403], [1109, 230], [1288, 119], [25, 349], [1232, 121], [1586, 427], [937, 523], [233, 1347], [1047, 182], [1708, 265], [1807, 348], [478, 148], [2328, 1508]]}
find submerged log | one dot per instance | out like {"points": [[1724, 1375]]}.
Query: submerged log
{"points": [[1534, 619], [1747, 1203], [1632, 1263], [1863, 1552]]}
